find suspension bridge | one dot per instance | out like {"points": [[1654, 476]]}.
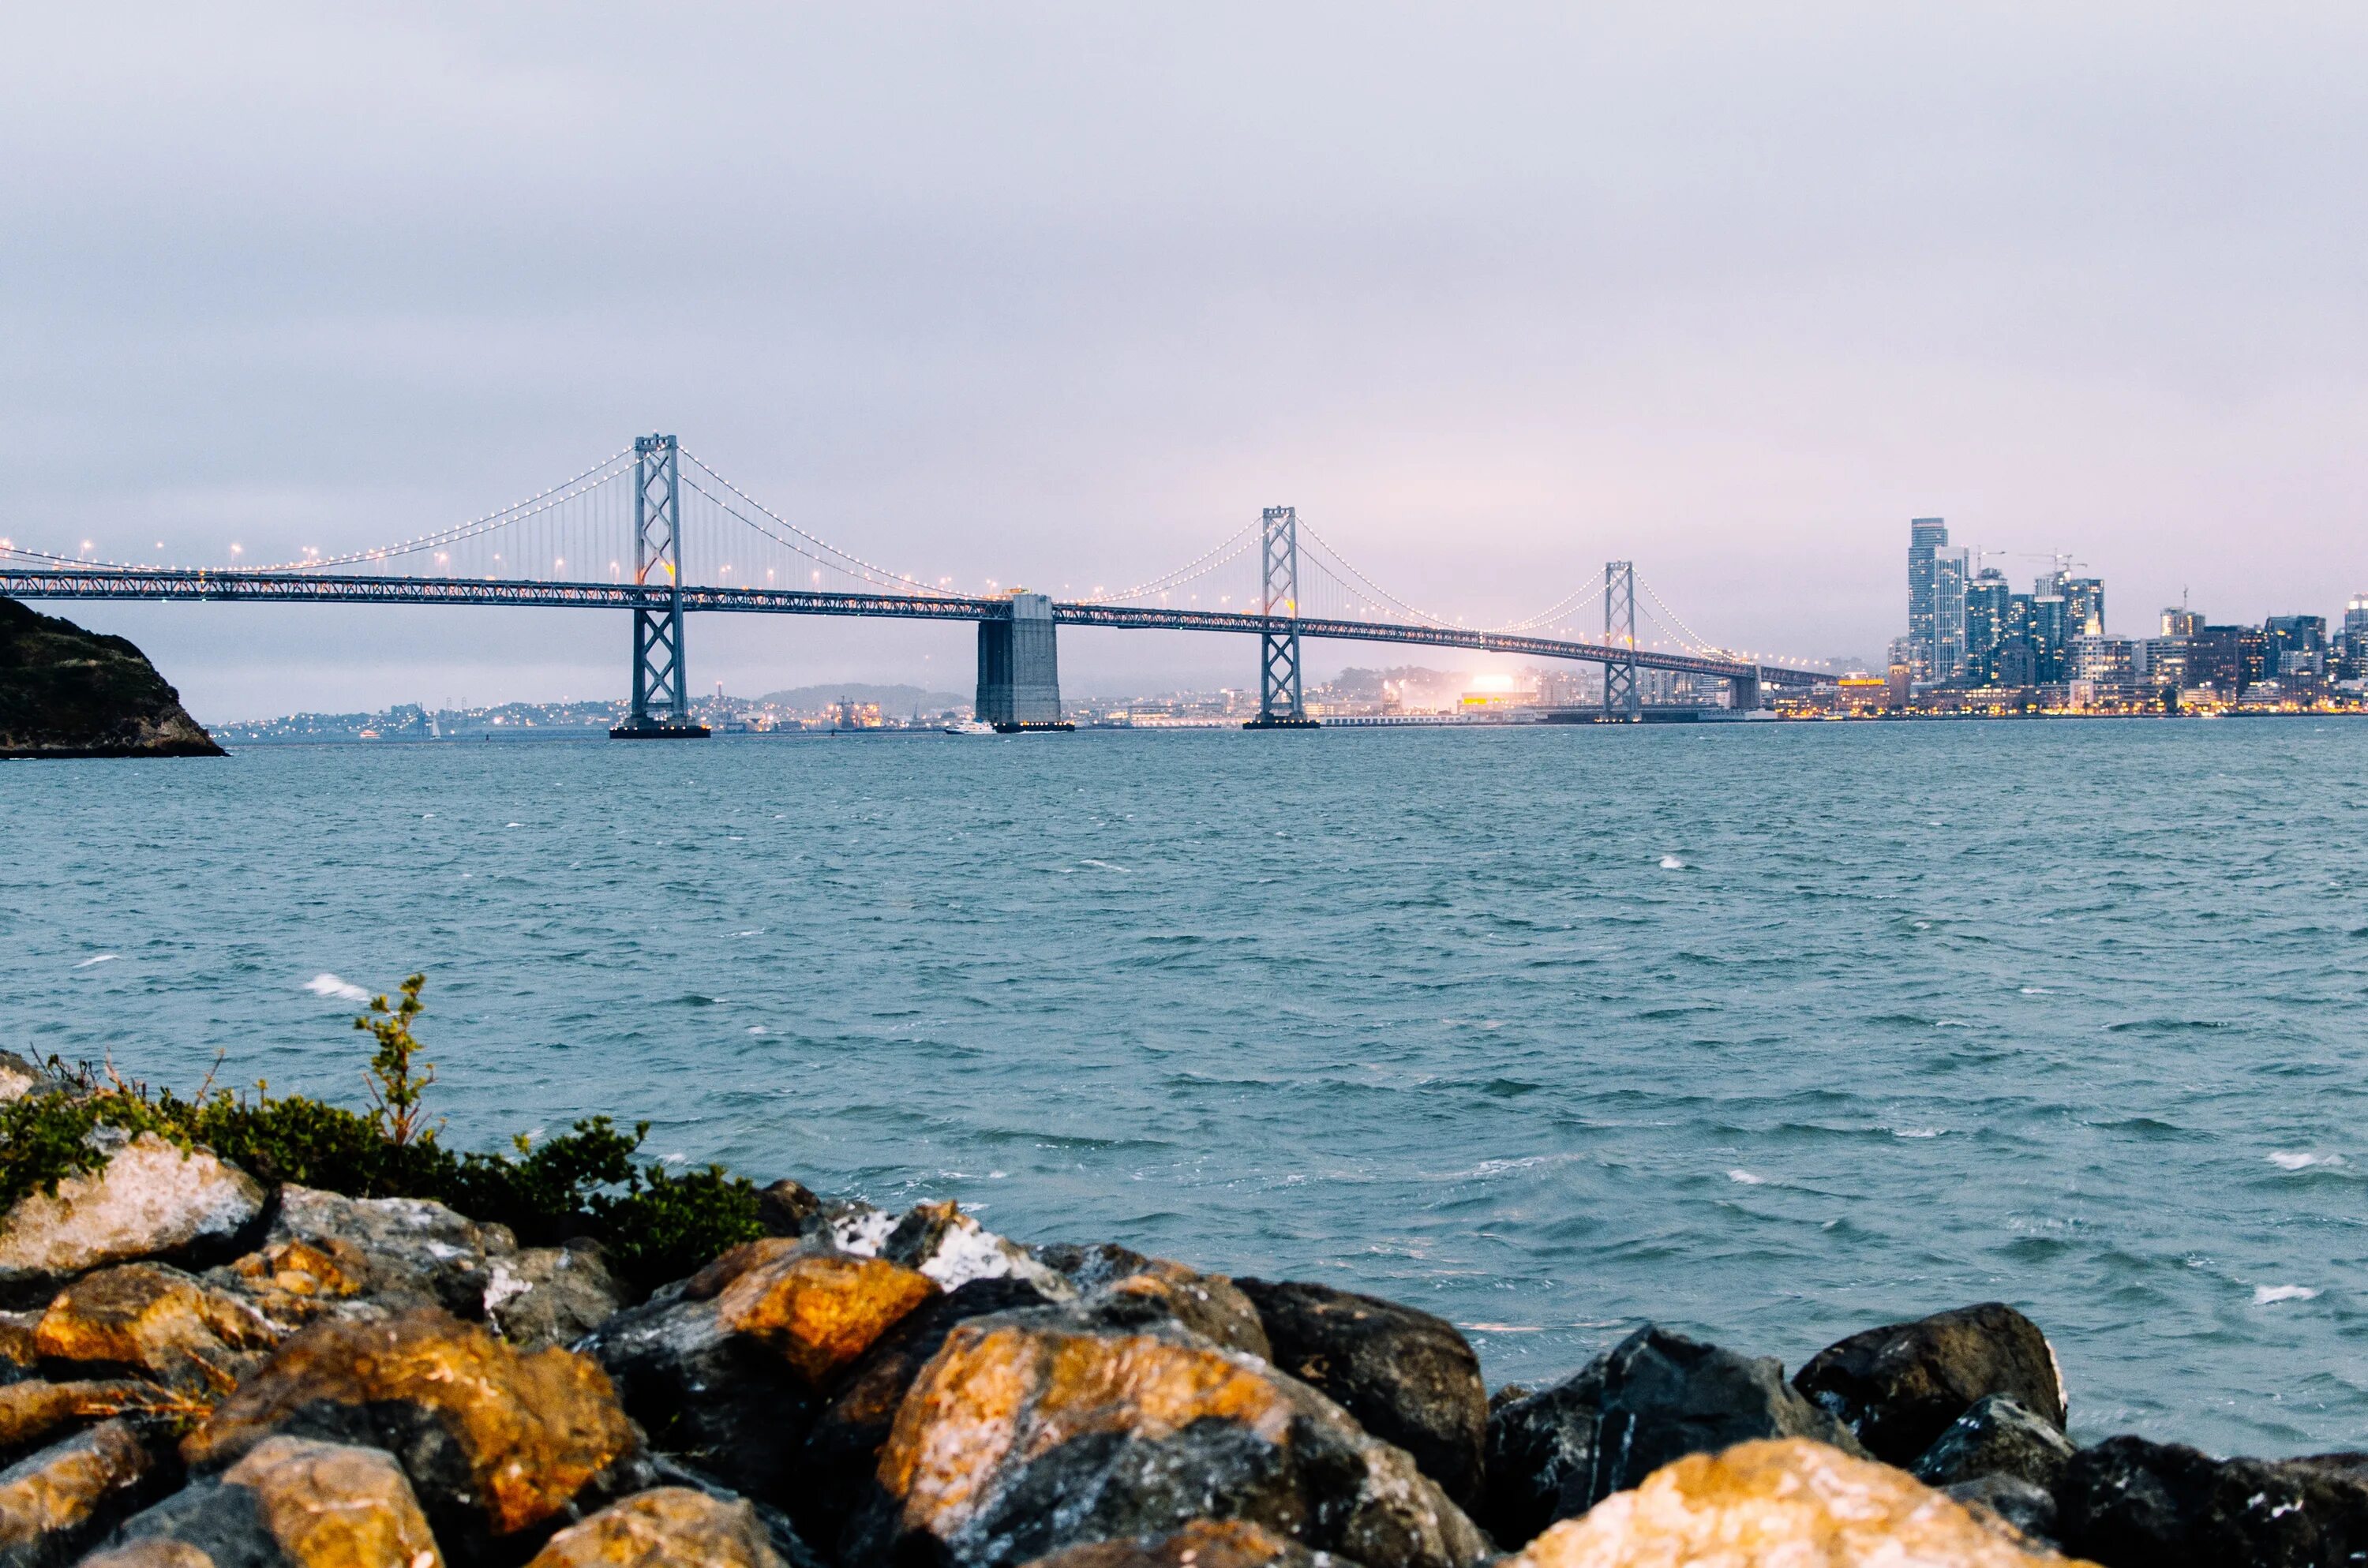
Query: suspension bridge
{"points": [[653, 531]]}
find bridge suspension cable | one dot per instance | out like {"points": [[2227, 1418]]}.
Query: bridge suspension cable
{"points": [[1192, 571], [821, 550]]}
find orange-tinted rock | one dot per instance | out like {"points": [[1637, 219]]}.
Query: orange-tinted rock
{"points": [[295, 1502], [497, 1443], [17, 1348], [54, 1504], [150, 1199], [34, 1411], [1209, 1305], [1204, 1544], [1030, 1433], [151, 1554], [819, 1310], [1778, 1502], [157, 1321], [660, 1527], [294, 1281]]}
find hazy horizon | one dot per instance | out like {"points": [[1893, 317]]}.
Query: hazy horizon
{"points": [[1055, 294]]}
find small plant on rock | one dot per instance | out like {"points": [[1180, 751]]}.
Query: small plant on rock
{"points": [[396, 1089]]}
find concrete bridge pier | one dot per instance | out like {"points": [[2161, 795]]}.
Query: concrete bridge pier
{"points": [[1020, 669], [1743, 693]]}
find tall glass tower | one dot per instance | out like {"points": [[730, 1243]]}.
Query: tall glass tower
{"points": [[1927, 537]]}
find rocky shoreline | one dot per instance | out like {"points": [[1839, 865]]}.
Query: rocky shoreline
{"points": [[199, 1366]]}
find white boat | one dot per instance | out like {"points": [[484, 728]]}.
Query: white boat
{"points": [[971, 727]]}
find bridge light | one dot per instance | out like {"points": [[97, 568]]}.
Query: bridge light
{"points": [[238, 549]]}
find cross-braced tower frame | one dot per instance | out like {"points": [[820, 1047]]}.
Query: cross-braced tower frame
{"points": [[1280, 705], [1619, 692], [661, 688]]}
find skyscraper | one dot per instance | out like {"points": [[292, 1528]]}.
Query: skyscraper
{"points": [[1987, 598], [1933, 652]]}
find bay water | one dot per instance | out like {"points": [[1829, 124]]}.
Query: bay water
{"points": [[1764, 1032]]}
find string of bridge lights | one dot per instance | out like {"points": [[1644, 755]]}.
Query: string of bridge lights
{"points": [[862, 567]]}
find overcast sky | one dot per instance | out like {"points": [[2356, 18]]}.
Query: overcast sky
{"points": [[1036, 292]]}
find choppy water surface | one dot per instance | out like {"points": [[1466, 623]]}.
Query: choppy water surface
{"points": [[1769, 1033]]}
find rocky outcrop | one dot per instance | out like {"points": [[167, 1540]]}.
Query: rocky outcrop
{"points": [[949, 1247], [1778, 1502], [151, 1320], [1409, 1378], [2131, 1503], [1997, 1437], [1027, 1434], [68, 692], [329, 1255], [500, 1446], [664, 1525], [35, 1411], [291, 1502], [1666, 1396], [730, 1371], [56, 1503], [1541, 1463], [149, 1200], [1898, 1387], [1204, 1544]]}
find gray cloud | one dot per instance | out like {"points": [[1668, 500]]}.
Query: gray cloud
{"points": [[1047, 294]]}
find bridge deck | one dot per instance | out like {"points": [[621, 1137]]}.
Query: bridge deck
{"points": [[305, 587]]}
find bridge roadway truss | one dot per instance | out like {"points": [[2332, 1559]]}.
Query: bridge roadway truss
{"points": [[311, 587]]}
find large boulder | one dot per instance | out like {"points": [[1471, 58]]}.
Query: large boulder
{"points": [[329, 1255], [153, 1320], [1541, 1463], [729, 1368], [842, 1450], [499, 1446], [2027, 1510], [545, 1296], [1778, 1502], [291, 1502], [2131, 1503], [54, 1504], [1408, 1376], [1204, 1544], [660, 1527], [1898, 1387], [68, 692], [1028, 1433], [1666, 1396], [148, 1200], [1997, 1437]]}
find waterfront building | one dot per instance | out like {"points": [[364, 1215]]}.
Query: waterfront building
{"points": [[2295, 644], [1928, 542], [2084, 602], [2103, 665], [2181, 622], [2215, 657], [2052, 630], [1988, 601]]}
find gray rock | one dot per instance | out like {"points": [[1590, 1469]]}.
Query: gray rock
{"points": [[1666, 1396], [1407, 1377], [541, 1296], [329, 1255], [787, 1209], [953, 1249], [2028, 1511], [2128, 1503], [21, 1075], [1540, 1464], [54, 1504], [715, 1399], [1997, 1437], [1898, 1387], [149, 1200]]}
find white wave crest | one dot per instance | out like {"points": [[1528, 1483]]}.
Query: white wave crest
{"points": [[327, 984], [2270, 1295], [1671, 863], [2298, 1160], [98, 958], [1746, 1179]]}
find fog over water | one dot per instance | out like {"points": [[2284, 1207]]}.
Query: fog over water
{"points": [[1767, 1033]]}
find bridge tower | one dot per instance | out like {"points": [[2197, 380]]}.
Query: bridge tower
{"points": [[1280, 705], [1619, 692], [661, 687]]}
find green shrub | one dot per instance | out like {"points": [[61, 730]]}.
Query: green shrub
{"points": [[654, 1224]]}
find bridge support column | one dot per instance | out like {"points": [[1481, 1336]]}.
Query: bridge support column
{"points": [[1020, 668], [1743, 693], [1280, 704], [661, 708], [1622, 697]]}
